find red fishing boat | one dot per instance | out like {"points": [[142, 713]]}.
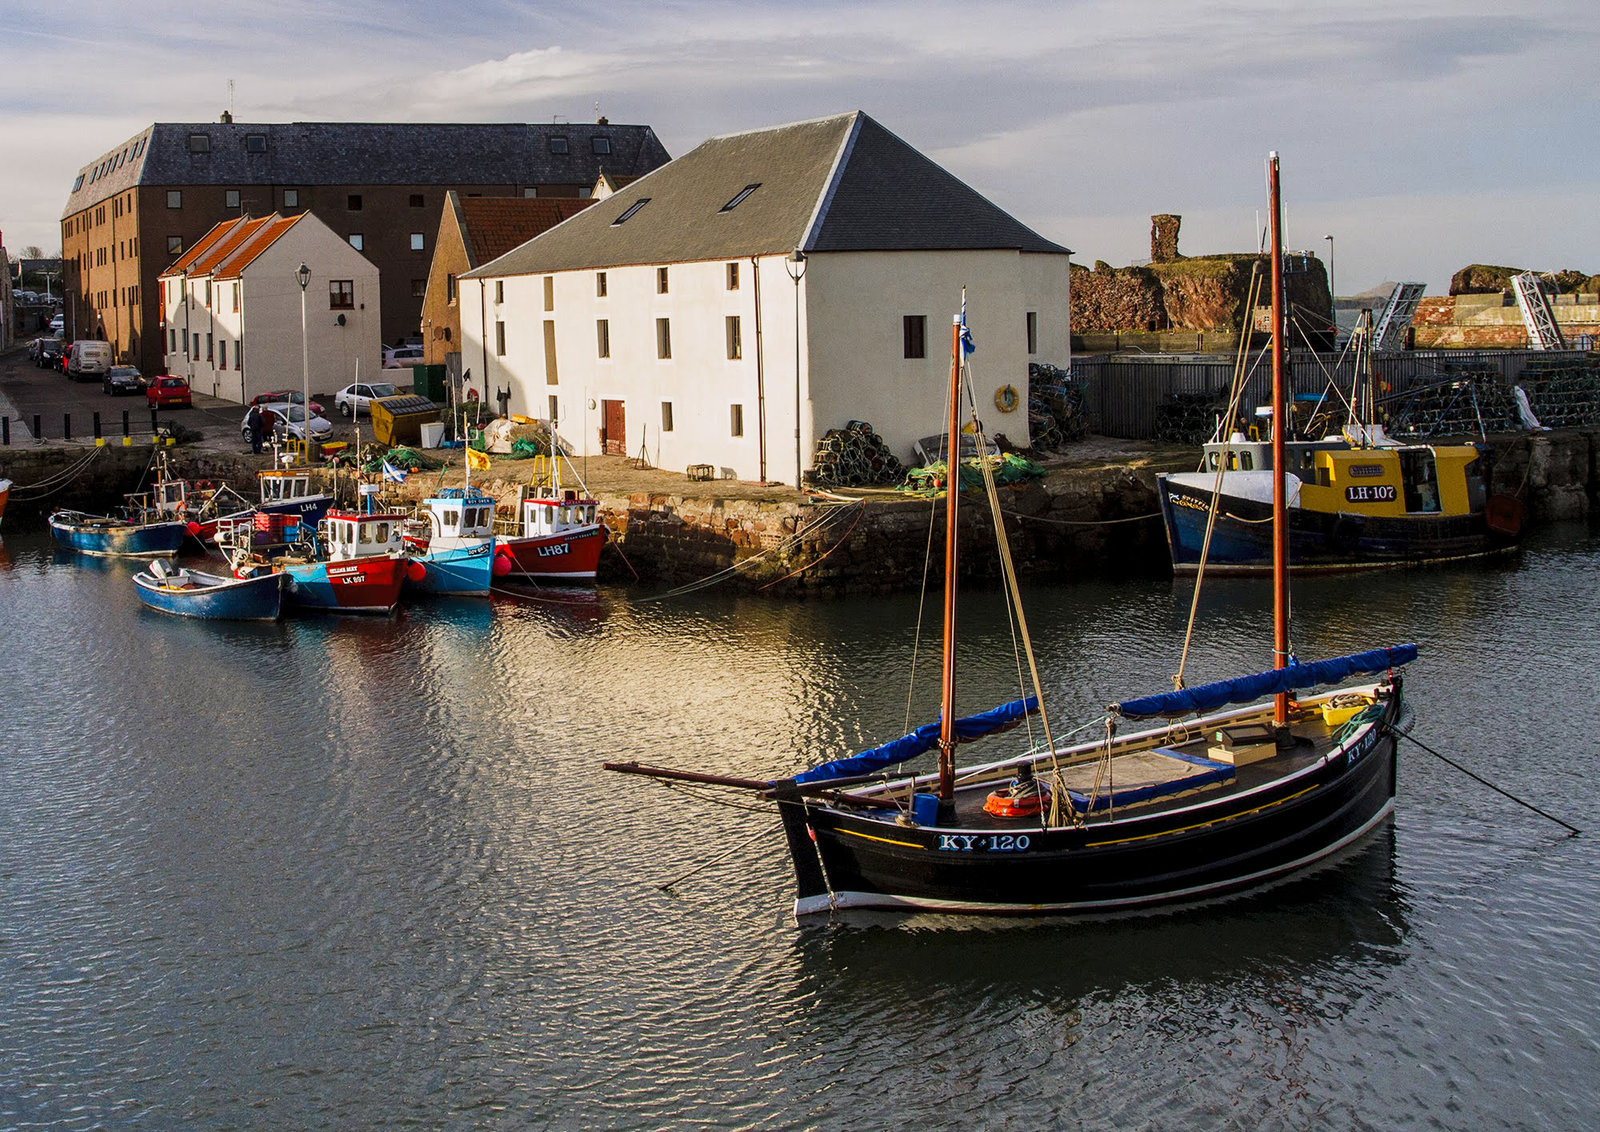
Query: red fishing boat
{"points": [[355, 564]]}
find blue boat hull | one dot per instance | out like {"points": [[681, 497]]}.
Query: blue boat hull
{"points": [[1241, 541], [114, 538], [459, 571], [215, 598]]}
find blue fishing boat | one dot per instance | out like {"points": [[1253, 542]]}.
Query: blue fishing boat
{"points": [[355, 564], [453, 539], [112, 537], [212, 597]]}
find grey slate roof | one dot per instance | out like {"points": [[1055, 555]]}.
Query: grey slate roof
{"points": [[833, 184], [366, 153]]}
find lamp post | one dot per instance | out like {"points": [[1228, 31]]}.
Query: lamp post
{"points": [[1333, 301], [303, 276], [795, 265]]}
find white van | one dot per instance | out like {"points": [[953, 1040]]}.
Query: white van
{"points": [[88, 360]]}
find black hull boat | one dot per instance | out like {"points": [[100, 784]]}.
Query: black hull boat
{"points": [[1259, 824], [1247, 779]]}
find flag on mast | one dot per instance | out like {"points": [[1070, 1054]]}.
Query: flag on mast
{"points": [[967, 344]]}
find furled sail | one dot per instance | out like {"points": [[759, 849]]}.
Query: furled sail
{"points": [[1243, 689], [924, 738]]}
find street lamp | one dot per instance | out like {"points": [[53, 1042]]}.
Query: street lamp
{"points": [[303, 276], [795, 265], [1333, 299]]}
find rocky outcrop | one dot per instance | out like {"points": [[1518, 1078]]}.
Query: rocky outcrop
{"points": [[1487, 279]]}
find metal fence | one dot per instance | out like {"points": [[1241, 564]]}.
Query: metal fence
{"points": [[1128, 395]]}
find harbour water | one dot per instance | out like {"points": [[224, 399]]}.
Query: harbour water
{"points": [[363, 873]]}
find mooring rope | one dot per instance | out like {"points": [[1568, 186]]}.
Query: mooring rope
{"points": [[56, 482], [1484, 781]]}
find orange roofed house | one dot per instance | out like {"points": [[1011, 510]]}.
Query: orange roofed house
{"points": [[231, 309]]}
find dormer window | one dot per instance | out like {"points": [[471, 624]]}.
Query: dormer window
{"points": [[739, 198], [255, 143], [632, 208], [558, 144], [199, 143], [601, 146]]}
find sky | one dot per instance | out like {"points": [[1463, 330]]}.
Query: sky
{"points": [[1422, 136]]}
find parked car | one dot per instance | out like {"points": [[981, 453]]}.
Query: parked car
{"points": [[49, 353], [122, 379], [58, 324], [88, 359], [394, 357], [288, 396], [282, 419], [167, 390], [356, 400]]}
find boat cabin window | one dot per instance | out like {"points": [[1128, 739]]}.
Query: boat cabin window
{"points": [[1420, 477], [1246, 461], [451, 520]]}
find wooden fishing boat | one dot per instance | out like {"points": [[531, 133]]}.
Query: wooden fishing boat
{"points": [[1244, 781], [453, 540], [212, 597], [287, 504], [5, 494], [556, 534], [110, 536], [355, 564], [1356, 500]]}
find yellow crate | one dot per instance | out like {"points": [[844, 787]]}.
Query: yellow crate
{"points": [[1338, 716]]}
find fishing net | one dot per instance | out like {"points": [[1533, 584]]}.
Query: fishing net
{"points": [[854, 456], [1008, 468], [1475, 400], [1564, 389], [406, 459], [1189, 418]]}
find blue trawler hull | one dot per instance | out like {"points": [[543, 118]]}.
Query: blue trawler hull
{"points": [[110, 537], [459, 571]]}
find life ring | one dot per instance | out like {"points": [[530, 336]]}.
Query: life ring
{"points": [[1006, 398], [472, 394]]}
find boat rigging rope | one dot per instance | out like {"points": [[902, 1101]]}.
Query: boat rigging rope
{"points": [[1237, 394], [43, 489]]}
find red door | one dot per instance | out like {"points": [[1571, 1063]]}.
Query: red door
{"points": [[613, 429]]}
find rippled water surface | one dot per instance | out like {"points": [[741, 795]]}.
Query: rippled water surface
{"points": [[343, 873]]}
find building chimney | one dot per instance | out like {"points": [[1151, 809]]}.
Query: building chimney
{"points": [[227, 117], [1164, 237], [602, 121]]}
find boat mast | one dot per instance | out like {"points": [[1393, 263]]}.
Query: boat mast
{"points": [[1280, 427], [952, 462]]}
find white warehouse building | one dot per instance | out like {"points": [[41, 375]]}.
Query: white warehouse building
{"points": [[731, 307]]}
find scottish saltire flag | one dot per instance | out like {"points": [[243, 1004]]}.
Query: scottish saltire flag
{"points": [[967, 344], [390, 472]]}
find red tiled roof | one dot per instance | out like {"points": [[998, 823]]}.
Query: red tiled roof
{"points": [[493, 226]]}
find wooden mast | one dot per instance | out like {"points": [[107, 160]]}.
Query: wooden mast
{"points": [[952, 462], [1280, 428]]}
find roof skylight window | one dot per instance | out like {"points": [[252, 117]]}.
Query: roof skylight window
{"points": [[739, 198], [632, 208]]}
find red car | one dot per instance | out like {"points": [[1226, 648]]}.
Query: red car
{"points": [[168, 390], [292, 396]]}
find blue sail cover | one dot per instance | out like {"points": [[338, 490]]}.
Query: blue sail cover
{"points": [[1243, 689], [924, 738]]}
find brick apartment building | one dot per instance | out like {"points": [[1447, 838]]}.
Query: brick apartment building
{"points": [[381, 186]]}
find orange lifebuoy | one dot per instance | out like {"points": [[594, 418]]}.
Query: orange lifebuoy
{"points": [[1006, 398], [472, 394]]}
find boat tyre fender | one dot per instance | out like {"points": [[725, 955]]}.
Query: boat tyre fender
{"points": [[1347, 531], [1006, 398]]}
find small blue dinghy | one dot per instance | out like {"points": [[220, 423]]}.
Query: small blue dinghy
{"points": [[191, 593]]}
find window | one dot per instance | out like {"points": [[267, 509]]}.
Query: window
{"points": [[585, 192], [1033, 332], [661, 281], [733, 277], [554, 406], [632, 208], [172, 340], [735, 420], [530, 192], [549, 351], [199, 143], [222, 353], [549, 292], [599, 284], [357, 241], [601, 146], [174, 198], [419, 288], [238, 355], [196, 354], [417, 200], [500, 339], [174, 245], [666, 416], [499, 290], [209, 344], [417, 242], [235, 296], [255, 143], [602, 338], [450, 288], [291, 198], [735, 351], [558, 144], [739, 197], [230, 198], [341, 294], [208, 294], [916, 335], [353, 202], [663, 338]]}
